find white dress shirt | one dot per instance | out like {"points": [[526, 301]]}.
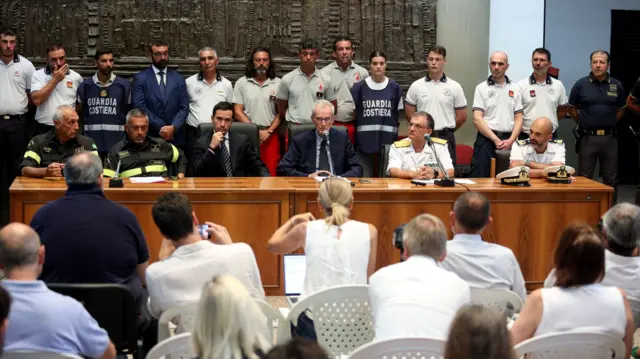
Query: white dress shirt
{"points": [[415, 298], [483, 264], [178, 280]]}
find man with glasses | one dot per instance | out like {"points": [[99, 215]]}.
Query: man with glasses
{"points": [[322, 151], [162, 94], [415, 156]]}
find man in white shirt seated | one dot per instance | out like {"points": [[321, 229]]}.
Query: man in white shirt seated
{"points": [[481, 264], [539, 151], [416, 298], [620, 230], [188, 261]]}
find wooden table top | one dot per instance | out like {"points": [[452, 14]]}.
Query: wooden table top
{"points": [[303, 184]]}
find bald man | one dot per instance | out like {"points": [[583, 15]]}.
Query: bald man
{"points": [[497, 114], [33, 325], [539, 151]]}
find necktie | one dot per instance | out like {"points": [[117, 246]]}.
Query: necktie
{"points": [[162, 83], [226, 158], [324, 160]]}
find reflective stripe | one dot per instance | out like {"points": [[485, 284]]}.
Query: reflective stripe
{"points": [[95, 153], [138, 171], [32, 155], [104, 127], [383, 128], [175, 154], [109, 173]]}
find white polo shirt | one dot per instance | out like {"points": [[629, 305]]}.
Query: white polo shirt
{"points": [[440, 99], [415, 298], [541, 100], [65, 93], [402, 155], [203, 97], [302, 92], [15, 81], [499, 103], [178, 280], [258, 101], [484, 265], [523, 151], [342, 82]]}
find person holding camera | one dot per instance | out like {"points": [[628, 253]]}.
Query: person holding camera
{"points": [[188, 260]]}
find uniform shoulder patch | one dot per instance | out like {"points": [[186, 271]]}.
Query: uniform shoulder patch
{"points": [[524, 142], [558, 141], [439, 140], [402, 143]]}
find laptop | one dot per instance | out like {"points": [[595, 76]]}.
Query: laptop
{"points": [[295, 267]]}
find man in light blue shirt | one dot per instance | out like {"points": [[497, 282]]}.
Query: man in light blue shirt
{"points": [[40, 319]]}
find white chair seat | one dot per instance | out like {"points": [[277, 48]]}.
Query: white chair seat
{"points": [[405, 348], [185, 319], [275, 322], [176, 347], [574, 344], [504, 301]]}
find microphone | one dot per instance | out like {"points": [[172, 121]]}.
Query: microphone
{"points": [[326, 136], [117, 181], [446, 181]]}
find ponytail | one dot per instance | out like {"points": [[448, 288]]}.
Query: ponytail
{"points": [[338, 215]]}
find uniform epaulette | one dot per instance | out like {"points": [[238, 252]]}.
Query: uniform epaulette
{"points": [[439, 140], [402, 143], [524, 142], [558, 141]]}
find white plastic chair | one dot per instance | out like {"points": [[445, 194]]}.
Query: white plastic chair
{"points": [[186, 317], [177, 347], [38, 355], [275, 322], [341, 316], [574, 344], [409, 348], [504, 301], [635, 309]]}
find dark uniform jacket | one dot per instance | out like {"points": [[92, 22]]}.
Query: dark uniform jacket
{"points": [[154, 158], [245, 161], [45, 149]]}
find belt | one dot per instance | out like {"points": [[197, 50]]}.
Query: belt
{"points": [[8, 117], [443, 131], [502, 134], [598, 131]]}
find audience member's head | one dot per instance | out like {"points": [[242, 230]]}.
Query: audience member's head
{"points": [[579, 256], [621, 228], [173, 216], [65, 121], [21, 255], [336, 199], [84, 168], [425, 235], [5, 306], [298, 348], [229, 323], [471, 213], [478, 332]]}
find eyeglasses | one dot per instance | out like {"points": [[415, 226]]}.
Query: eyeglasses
{"points": [[416, 125], [325, 120], [160, 54]]}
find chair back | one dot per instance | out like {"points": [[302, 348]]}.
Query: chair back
{"points": [[178, 346], [384, 161], [464, 154], [505, 302], [574, 344], [183, 317], [294, 130], [38, 355], [430, 348], [502, 161], [635, 309], [112, 306], [341, 316], [249, 129], [275, 322]]}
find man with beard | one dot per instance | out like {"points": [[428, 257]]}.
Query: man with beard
{"points": [[103, 102], [206, 89], [539, 151], [53, 86], [542, 95], [254, 101], [140, 155], [345, 73], [162, 94]]}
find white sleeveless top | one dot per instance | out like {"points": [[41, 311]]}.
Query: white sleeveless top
{"points": [[589, 307], [333, 261]]}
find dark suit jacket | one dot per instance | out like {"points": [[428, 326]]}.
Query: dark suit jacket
{"points": [[300, 159], [172, 110], [245, 161]]}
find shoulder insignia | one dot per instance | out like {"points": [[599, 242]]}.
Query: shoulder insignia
{"points": [[558, 141], [123, 154], [402, 143], [524, 142], [439, 140]]}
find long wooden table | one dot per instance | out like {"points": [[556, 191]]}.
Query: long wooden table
{"points": [[525, 219]]}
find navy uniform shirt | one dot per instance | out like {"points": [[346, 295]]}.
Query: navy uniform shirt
{"points": [[597, 101], [45, 149]]}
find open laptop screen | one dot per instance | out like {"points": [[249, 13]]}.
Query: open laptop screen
{"points": [[295, 267]]}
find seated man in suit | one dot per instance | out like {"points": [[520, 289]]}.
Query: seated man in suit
{"points": [[309, 155], [224, 153], [539, 151]]}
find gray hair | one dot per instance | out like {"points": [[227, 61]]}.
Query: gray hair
{"points": [[208, 48], [322, 104], [19, 245], [59, 114], [426, 235], [137, 114], [621, 224], [83, 168]]}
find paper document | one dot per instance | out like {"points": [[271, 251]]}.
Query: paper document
{"points": [[146, 179], [322, 178], [457, 180]]}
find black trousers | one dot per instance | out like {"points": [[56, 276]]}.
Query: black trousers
{"points": [[191, 136], [483, 151], [42, 129], [603, 149], [449, 135], [13, 141]]}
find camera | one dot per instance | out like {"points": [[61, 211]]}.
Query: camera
{"points": [[203, 229]]}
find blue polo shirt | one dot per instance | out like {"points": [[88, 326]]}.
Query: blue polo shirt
{"points": [[43, 320], [598, 101], [90, 239]]}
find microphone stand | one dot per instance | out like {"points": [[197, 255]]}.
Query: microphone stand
{"points": [[117, 181], [328, 149], [446, 181]]}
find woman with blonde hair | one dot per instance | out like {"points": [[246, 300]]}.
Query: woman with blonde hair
{"points": [[479, 333], [229, 324]]}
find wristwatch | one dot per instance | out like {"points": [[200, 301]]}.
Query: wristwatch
{"points": [[527, 163], [435, 173]]}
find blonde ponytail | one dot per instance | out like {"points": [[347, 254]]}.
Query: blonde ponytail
{"points": [[335, 197], [339, 214]]}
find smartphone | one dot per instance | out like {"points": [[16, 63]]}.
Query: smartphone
{"points": [[203, 229], [364, 181]]}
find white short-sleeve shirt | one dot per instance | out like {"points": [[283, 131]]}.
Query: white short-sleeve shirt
{"points": [[15, 81], [65, 93], [302, 92], [541, 100], [523, 151], [440, 99], [258, 101], [498, 103], [342, 82], [203, 97], [402, 155]]}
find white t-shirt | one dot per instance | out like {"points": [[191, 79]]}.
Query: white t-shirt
{"points": [[523, 151], [65, 93], [498, 103], [342, 82], [440, 99], [541, 100], [15, 81], [402, 155], [203, 97]]}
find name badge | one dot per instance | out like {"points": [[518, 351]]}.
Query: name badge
{"points": [[614, 94], [69, 84], [272, 97]]}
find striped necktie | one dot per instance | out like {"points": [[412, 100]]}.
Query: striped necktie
{"points": [[226, 158]]}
